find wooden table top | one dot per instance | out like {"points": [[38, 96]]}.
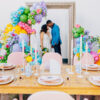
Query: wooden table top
{"points": [[74, 86]]}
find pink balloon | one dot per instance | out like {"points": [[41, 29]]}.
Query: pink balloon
{"points": [[96, 58], [95, 55], [26, 27], [77, 26]]}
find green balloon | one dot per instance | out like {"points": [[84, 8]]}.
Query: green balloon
{"points": [[24, 18], [80, 30], [82, 33], [26, 11], [74, 30], [33, 21], [35, 13], [76, 35]]}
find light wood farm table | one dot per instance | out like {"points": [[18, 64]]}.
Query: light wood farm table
{"points": [[73, 86]]}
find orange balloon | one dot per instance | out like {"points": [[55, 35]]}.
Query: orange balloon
{"points": [[98, 62]]}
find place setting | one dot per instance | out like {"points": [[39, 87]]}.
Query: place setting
{"points": [[53, 75], [6, 73], [5, 66]]}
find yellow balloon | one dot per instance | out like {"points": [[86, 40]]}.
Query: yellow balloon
{"points": [[5, 37], [78, 55], [99, 51], [9, 25], [23, 31], [17, 28], [28, 58]]}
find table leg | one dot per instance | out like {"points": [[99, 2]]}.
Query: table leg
{"points": [[20, 96], [77, 97]]}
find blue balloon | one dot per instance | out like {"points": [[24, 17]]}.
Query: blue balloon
{"points": [[0, 45]]}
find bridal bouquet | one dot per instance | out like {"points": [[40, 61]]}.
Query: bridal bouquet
{"points": [[44, 50]]}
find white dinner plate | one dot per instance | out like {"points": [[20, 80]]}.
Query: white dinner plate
{"points": [[48, 80], [94, 80], [6, 66], [93, 67], [5, 78]]}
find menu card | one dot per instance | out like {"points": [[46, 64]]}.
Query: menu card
{"points": [[55, 67]]}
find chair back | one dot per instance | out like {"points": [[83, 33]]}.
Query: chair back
{"points": [[16, 58], [50, 56], [50, 95]]}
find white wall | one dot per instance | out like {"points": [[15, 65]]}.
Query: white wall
{"points": [[61, 18], [87, 12]]}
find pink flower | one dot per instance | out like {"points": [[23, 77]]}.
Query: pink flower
{"points": [[36, 51], [7, 46], [13, 34], [81, 35], [38, 11], [92, 37], [77, 26], [29, 21], [32, 13], [2, 57]]}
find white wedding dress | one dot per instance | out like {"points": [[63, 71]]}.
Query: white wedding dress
{"points": [[46, 42]]}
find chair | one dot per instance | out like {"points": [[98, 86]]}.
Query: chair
{"points": [[48, 56], [50, 95], [16, 58]]}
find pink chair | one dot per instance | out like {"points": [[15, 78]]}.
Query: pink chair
{"points": [[50, 95], [16, 58], [48, 56]]}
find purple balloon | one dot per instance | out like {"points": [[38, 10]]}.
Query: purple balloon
{"points": [[24, 37], [38, 18], [16, 48], [87, 32]]}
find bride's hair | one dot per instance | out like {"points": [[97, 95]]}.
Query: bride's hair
{"points": [[44, 28]]}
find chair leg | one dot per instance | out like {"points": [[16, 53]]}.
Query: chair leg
{"points": [[20, 96], [77, 97]]}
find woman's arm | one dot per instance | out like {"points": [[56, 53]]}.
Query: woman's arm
{"points": [[41, 38]]}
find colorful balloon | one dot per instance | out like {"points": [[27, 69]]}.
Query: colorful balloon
{"points": [[26, 11], [24, 18], [78, 31]]}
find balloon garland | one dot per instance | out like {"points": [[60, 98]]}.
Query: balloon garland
{"points": [[21, 21], [91, 41]]}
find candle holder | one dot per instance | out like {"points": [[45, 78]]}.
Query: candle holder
{"points": [[37, 68], [86, 68], [28, 70], [71, 68], [80, 71]]}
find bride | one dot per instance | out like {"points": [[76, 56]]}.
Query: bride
{"points": [[45, 38]]}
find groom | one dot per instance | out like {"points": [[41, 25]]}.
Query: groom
{"points": [[56, 39]]}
